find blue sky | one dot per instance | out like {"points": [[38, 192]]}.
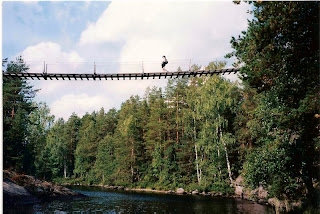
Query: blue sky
{"points": [[28, 23], [118, 36]]}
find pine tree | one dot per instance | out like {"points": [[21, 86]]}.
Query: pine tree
{"points": [[40, 122], [17, 105], [53, 158], [106, 161], [71, 137], [86, 150], [129, 141]]}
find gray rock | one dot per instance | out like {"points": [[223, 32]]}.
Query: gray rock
{"points": [[262, 193], [39, 191], [195, 192], [13, 189], [239, 191], [180, 191], [204, 193], [239, 180]]}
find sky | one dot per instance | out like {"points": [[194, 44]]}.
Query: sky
{"points": [[119, 37]]}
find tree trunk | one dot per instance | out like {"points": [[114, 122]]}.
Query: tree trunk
{"points": [[225, 149], [65, 169], [132, 179], [217, 130], [177, 139], [198, 174], [196, 150]]}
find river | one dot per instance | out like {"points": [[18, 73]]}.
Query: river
{"points": [[102, 200]]}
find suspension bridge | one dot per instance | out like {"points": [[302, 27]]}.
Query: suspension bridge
{"points": [[117, 76], [138, 72]]}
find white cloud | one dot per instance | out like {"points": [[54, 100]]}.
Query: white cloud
{"points": [[200, 31], [179, 30], [54, 57], [133, 32], [51, 54], [79, 103]]}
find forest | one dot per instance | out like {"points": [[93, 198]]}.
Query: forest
{"points": [[196, 133]]}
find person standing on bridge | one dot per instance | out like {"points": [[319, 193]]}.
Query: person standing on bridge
{"points": [[164, 62]]}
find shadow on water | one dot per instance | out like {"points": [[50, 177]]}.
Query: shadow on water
{"points": [[102, 200]]}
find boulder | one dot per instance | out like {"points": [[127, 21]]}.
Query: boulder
{"points": [[195, 192], [180, 191], [239, 191], [14, 194], [39, 191], [13, 189], [277, 204], [239, 181], [26, 189], [203, 193], [262, 193]]}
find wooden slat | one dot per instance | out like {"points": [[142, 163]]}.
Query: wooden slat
{"points": [[201, 73], [118, 76], [29, 75], [195, 73]]}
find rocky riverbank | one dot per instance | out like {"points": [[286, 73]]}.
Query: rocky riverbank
{"points": [[259, 195], [19, 189]]}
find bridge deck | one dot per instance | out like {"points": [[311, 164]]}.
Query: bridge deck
{"points": [[118, 76]]}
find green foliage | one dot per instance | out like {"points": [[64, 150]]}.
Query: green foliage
{"points": [[279, 54], [105, 163], [54, 154], [17, 106], [268, 166], [40, 123]]}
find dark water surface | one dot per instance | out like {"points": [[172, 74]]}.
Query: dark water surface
{"points": [[101, 200]]}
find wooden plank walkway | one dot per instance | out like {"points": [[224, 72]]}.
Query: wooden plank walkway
{"points": [[118, 76]]}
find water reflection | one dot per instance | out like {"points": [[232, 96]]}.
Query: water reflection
{"points": [[110, 201]]}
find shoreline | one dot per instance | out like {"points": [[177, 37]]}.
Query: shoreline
{"points": [[172, 192], [258, 196]]}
